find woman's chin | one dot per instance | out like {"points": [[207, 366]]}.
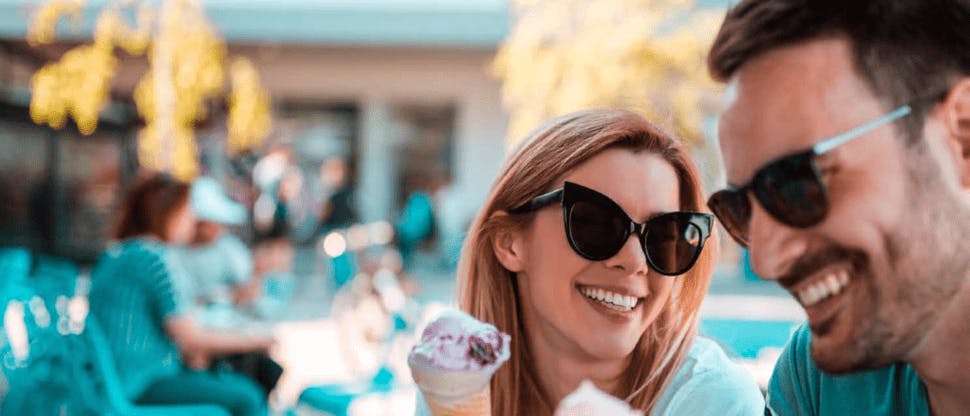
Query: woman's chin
{"points": [[608, 348]]}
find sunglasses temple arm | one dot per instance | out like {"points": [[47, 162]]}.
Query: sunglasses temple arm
{"points": [[539, 202], [842, 138]]}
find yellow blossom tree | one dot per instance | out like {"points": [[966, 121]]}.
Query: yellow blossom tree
{"points": [[187, 67], [644, 55]]}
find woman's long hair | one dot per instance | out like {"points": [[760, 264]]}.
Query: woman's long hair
{"points": [[488, 291], [148, 206]]}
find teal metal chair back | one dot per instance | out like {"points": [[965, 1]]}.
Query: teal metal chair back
{"points": [[14, 293], [54, 279], [69, 369], [15, 263], [35, 358], [106, 386], [337, 399]]}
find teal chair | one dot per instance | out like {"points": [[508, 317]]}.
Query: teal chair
{"points": [[100, 368], [75, 375], [65, 372], [336, 399], [15, 265], [52, 277], [343, 268]]}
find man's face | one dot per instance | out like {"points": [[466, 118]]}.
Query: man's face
{"points": [[207, 232], [893, 211]]}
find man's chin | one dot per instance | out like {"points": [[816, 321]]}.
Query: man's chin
{"points": [[832, 365], [842, 358]]}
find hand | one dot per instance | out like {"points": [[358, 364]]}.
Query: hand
{"points": [[249, 292], [197, 360], [264, 342]]}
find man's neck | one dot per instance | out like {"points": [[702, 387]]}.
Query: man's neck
{"points": [[942, 359]]}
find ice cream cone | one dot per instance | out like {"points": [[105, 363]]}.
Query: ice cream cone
{"points": [[450, 392], [454, 363], [479, 404]]}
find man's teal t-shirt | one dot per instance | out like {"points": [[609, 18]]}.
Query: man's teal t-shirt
{"points": [[799, 388], [134, 290]]}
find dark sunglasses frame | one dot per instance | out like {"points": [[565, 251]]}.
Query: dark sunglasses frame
{"points": [[571, 193], [791, 187]]}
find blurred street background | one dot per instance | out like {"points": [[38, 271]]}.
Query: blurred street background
{"points": [[361, 137]]}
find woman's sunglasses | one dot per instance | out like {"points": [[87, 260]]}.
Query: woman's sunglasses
{"points": [[790, 188], [597, 228]]}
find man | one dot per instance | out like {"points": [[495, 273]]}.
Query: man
{"points": [[220, 266], [846, 141], [222, 278]]}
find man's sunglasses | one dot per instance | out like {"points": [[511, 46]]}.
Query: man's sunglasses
{"points": [[597, 228], [790, 188]]}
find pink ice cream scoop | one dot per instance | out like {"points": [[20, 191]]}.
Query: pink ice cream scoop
{"points": [[454, 362], [455, 341], [587, 400]]}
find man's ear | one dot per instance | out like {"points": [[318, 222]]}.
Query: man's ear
{"points": [[956, 117], [508, 246]]}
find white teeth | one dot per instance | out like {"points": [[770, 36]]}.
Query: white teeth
{"points": [[614, 299], [831, 284], [810, 296]]}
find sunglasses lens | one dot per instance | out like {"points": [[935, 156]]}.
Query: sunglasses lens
{"points": [[792, 192], [672, 244], [596, 230], [733, 209]]}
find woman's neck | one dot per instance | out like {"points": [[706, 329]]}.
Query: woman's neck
{"points": [[559, 370]]}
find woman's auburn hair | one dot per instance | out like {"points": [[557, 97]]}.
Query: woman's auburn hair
{"points": [[488, 291], [148, 205]]}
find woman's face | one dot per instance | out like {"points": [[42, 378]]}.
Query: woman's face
{"points": [[181, 225], [554, 278]]}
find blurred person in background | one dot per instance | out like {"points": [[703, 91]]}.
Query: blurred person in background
{"points": [[590, 251], [136, 296], [274, 259], [416, 226], [221, 281], [373, 308], [337, 209], [846, 139], [218, 264], [279, 186]]}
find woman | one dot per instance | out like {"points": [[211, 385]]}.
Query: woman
{"points": [[590, 251], [137, 298]]}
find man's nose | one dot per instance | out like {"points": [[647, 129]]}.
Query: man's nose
{"points": [[774, 246]]}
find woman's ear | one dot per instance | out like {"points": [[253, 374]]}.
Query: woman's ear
{"points": [[508, 246]]}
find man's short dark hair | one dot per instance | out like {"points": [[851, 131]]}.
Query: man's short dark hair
{"points": [[907, 51]]}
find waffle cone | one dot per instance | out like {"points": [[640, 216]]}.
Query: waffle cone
{"points": [[479, 404]]}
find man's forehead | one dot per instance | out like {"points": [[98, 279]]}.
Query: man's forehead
{"points": [[786, 100]]}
